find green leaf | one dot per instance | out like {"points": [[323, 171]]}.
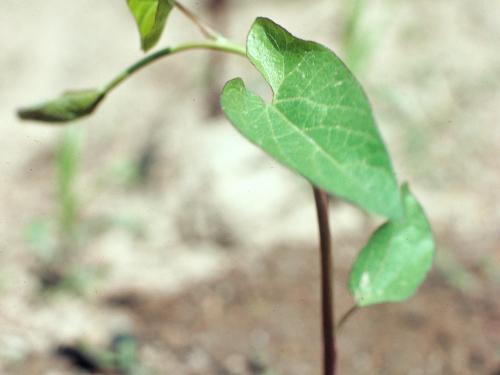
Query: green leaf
{"points": [[319, 123], [396, 259], [67, 107], [150, 16]]}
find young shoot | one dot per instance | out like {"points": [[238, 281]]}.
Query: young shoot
{"points": [[320, 125]]}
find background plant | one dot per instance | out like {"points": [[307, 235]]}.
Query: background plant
{"points": [[320, 125], [360, 35], [57, 242]]}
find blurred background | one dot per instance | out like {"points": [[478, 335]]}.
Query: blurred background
{"points": [[151, 238]]}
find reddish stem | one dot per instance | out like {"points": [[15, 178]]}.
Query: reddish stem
{"points": [[327, 302]]}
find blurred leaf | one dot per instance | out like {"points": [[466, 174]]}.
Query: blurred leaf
{"points": [[355, 44], [124, 172], [456, 273], [150, 16], [121, 358], [67, 107], [362, 32], [79, 280], [126, 350], [396, 259], [319, 123], [40, 234]]}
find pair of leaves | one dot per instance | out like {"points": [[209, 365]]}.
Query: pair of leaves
{"points": [[320, 125], [150, 16]]}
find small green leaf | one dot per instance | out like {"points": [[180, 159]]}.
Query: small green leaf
{"points": [[67, 107], [319, 123], [150, 16], [396, 259]]}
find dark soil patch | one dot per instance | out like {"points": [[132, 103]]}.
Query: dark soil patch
{"points": [[266, 317]]}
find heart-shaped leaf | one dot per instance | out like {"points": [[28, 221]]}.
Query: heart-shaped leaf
{"points": [[396, 259], [319, 123], [68, 107], [150, 16]]}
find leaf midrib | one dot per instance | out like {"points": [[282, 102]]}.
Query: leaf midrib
{"points": [[324, 152]]}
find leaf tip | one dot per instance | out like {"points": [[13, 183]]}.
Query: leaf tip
{"points": [[145, 47], [67, 107], [234, 84], [150, 17], [230, 92], [396, 259], [263, 21]]}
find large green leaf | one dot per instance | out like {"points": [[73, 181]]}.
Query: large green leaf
{"points": [[151, 16], [396, 260], [319, 123], [67, 107]]}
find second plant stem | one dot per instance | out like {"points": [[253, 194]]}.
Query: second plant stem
{"points": [[220, 44], [327, 301]]}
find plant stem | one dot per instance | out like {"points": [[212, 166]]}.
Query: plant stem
{"points": [[346, 317], [206, 30], [220, 44], [218, 16], [327, 302]]}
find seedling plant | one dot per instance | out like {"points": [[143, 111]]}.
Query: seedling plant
{"points": [[319, 124], [56, 243]]}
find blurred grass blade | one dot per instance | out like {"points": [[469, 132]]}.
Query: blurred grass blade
{"points": [[40, 234], [150, 16], [356, 47], [396, 259], [69, 106], [68, 159]]}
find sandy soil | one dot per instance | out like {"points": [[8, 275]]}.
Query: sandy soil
{"points": [[222, 278]]}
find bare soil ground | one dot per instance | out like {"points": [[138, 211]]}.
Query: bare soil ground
{"points": [[259, 319], [219, 272]]}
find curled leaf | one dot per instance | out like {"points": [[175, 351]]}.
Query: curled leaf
{"points": [[150, 16], [68, 107], [396, 259]]}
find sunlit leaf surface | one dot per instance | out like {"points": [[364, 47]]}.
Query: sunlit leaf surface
{"points": [[396, 259], [319, 123]]}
